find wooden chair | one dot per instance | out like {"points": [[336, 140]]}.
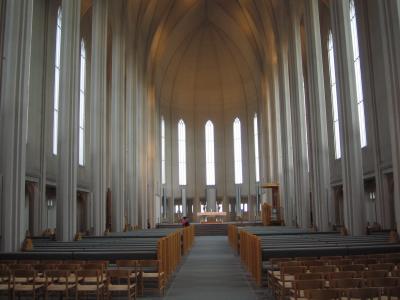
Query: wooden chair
{"points": [[395, 273], [345, 283], [391, 260], [40, 269], [341, 262], [94, 266], [51, 261], [331, 258], [105, 263], [363, 293], [385, 266], [313, 263], [301, 286], [383, 282], [57, 282], [391, 292], [322, 269], [72, 268], [356, 268], [341, 275], [374, 274], [28, 262], [5, 282], [366, 261], [134, 267], [304, 258], [73, 262], [283, 281], [17, 267], [309, 276], [121, 281], [23, 283], [151, 272], [322, 294], [88, 287]]}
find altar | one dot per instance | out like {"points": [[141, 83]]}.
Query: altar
{"points": [[211, 216]]}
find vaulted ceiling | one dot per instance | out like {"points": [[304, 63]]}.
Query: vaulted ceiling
{"points": [[205, 51]]}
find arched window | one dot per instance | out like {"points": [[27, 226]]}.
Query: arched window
{"points": [[57, 64], [82, 94], [237, 151], [335, 114], [162, 151], [210, 161], [357, 71], [256, 154], [182, 152]]}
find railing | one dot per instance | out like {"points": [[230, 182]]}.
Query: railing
{"points": [[172, 247], [250, 254], [233, 237]]}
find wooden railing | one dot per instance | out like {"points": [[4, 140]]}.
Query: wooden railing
{"points": [[172, 247], [250, 254], [233, 237], [187, 239]]}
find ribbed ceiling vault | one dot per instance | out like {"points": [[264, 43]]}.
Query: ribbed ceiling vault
{"points": [[175, 36]]}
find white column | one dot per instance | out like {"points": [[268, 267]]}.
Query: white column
{"points": [[352, 176], [184, 204], [238, 201], [298, 110], [319, 132], [68, 120], [13, 118], [98, 106], [287, 185], [131, 86], [117, 117], [390, 36]]}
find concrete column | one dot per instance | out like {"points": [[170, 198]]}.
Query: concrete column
{"points": [[286, 139], [98, 106], [298, 110], [390, 20], [13, 118], [211, 197], [131, 86], [117, 116], [319, 132], [238, 201], [184, 202], [68, 120], [352, 174]]}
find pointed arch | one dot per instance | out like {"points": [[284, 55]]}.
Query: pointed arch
{"points": [[210, 158]]}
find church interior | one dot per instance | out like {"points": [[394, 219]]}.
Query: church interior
{"points": [[220, 149]]}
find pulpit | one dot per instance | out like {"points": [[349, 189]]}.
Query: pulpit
{"points": [[272, 213]]}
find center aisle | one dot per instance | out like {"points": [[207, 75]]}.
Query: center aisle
{"points": [[211, 271]]}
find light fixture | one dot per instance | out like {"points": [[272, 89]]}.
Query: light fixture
{"points": [[50, 203]]}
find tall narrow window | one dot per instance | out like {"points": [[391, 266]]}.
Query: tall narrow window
{"points": [[210, 161], [357, 70], [82, 95], [237, 151], [57, 64], [335, 114], [256, 155], [182, 152], [162, 151]]}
